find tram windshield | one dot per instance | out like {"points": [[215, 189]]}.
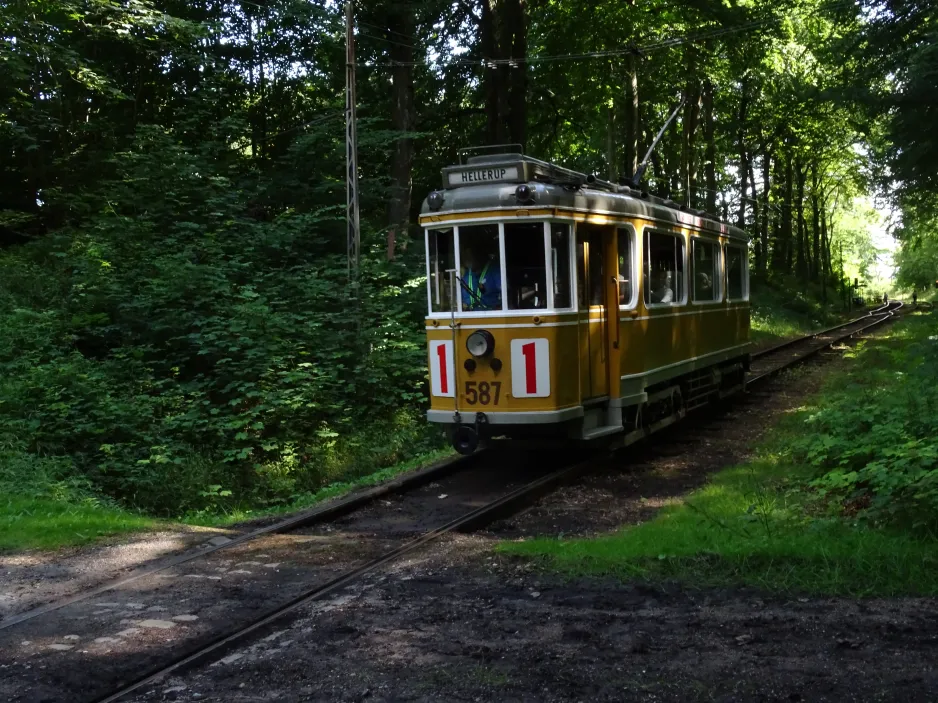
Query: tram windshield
{"points": [[526, 266], [489, 267], [480, 268]]}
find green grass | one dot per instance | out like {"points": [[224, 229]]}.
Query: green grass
{"points": [[307, 500], [782, 311], [763, 525], [744, 528], [41, 522], [38, 523]]}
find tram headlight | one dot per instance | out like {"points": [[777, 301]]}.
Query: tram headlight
{"points": [[525, 193], [480, 343], [435, 200]]}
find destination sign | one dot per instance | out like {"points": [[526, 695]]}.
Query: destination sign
{"points": [[484, 175]]}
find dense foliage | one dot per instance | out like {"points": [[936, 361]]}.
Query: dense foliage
{"points": [[839, 497], [176, 323], [173, 342], [874, 440]]}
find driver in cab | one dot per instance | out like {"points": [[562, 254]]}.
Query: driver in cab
{"points": [[481, 281]]}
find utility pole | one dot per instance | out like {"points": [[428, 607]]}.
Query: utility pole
{"points": [[351, 152]]}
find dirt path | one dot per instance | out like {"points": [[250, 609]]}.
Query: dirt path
{"points": [[463, 623], [31, 579], [460, 622], [430, 632]]}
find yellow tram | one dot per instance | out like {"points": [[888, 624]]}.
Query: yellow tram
{"points": [[562, 306]]}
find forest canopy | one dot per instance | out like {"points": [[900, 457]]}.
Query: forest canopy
{"points": [[173, 281]]}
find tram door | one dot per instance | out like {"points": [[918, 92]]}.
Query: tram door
{"points": [[592, 317]]}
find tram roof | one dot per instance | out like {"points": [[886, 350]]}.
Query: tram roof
{"points": [[490, 182]]}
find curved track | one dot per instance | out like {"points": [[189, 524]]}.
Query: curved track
{"points": [[769, 362], [330, 511], [413, 512]]}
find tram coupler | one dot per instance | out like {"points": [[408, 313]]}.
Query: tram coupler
{"points": [[465, 438]]}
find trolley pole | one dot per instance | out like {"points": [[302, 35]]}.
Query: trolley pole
{"points": [[351, 152]]}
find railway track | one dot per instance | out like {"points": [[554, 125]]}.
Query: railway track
{"points": [[769, 362], [368, 532]]}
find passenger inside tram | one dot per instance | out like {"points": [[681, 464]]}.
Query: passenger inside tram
{"points": [[661, 290], [481, 279], [703, 290]]}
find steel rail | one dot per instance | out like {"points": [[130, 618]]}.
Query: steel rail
{"points": [[790, 343], [501, 507], [329, 511], [504, 506], [890, 313]]}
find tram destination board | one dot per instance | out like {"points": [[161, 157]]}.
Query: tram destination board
{"points": [[493, 174]]}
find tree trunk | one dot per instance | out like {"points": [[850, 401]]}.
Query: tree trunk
{"points": [[711, 153], [760, 255], [787, 219], [745, 167], [632, 124], [610, 145], [802, 259], [766, 187], [673, 153], [689, 123], [816, 267], [491, 77], [401, 25], [515, 44], [503, 37], [825, 251]]}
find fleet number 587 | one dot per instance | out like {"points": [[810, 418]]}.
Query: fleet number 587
{"points": [[483, 392]]}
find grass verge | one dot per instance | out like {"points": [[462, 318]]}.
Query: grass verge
{"points": [[43, 523], [66, 519], [307, 500], [790, 309], [769, 524]]}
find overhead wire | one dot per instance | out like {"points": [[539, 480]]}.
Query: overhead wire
{"points": [[383, 29], [384, 39]]}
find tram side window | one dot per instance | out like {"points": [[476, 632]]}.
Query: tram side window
{"points": [[525, 266], [480, 267], [706, 271], [736, 288], [664, 269], [560, 264], [625, 267], [441, 264]]}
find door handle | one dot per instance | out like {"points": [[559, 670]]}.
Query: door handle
{"points": [[614, 313]]}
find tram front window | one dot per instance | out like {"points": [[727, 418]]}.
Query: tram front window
{"points": [[480, 268], [525, 266], [441, 263]]}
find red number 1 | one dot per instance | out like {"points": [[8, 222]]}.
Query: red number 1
{"points": [[530, 367], [444, 381]]}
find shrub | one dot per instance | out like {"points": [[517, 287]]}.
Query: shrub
{"points": [[874, 441], [175, 342]]}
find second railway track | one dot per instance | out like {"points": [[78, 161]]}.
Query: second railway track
{"points": [[121, 639]]}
